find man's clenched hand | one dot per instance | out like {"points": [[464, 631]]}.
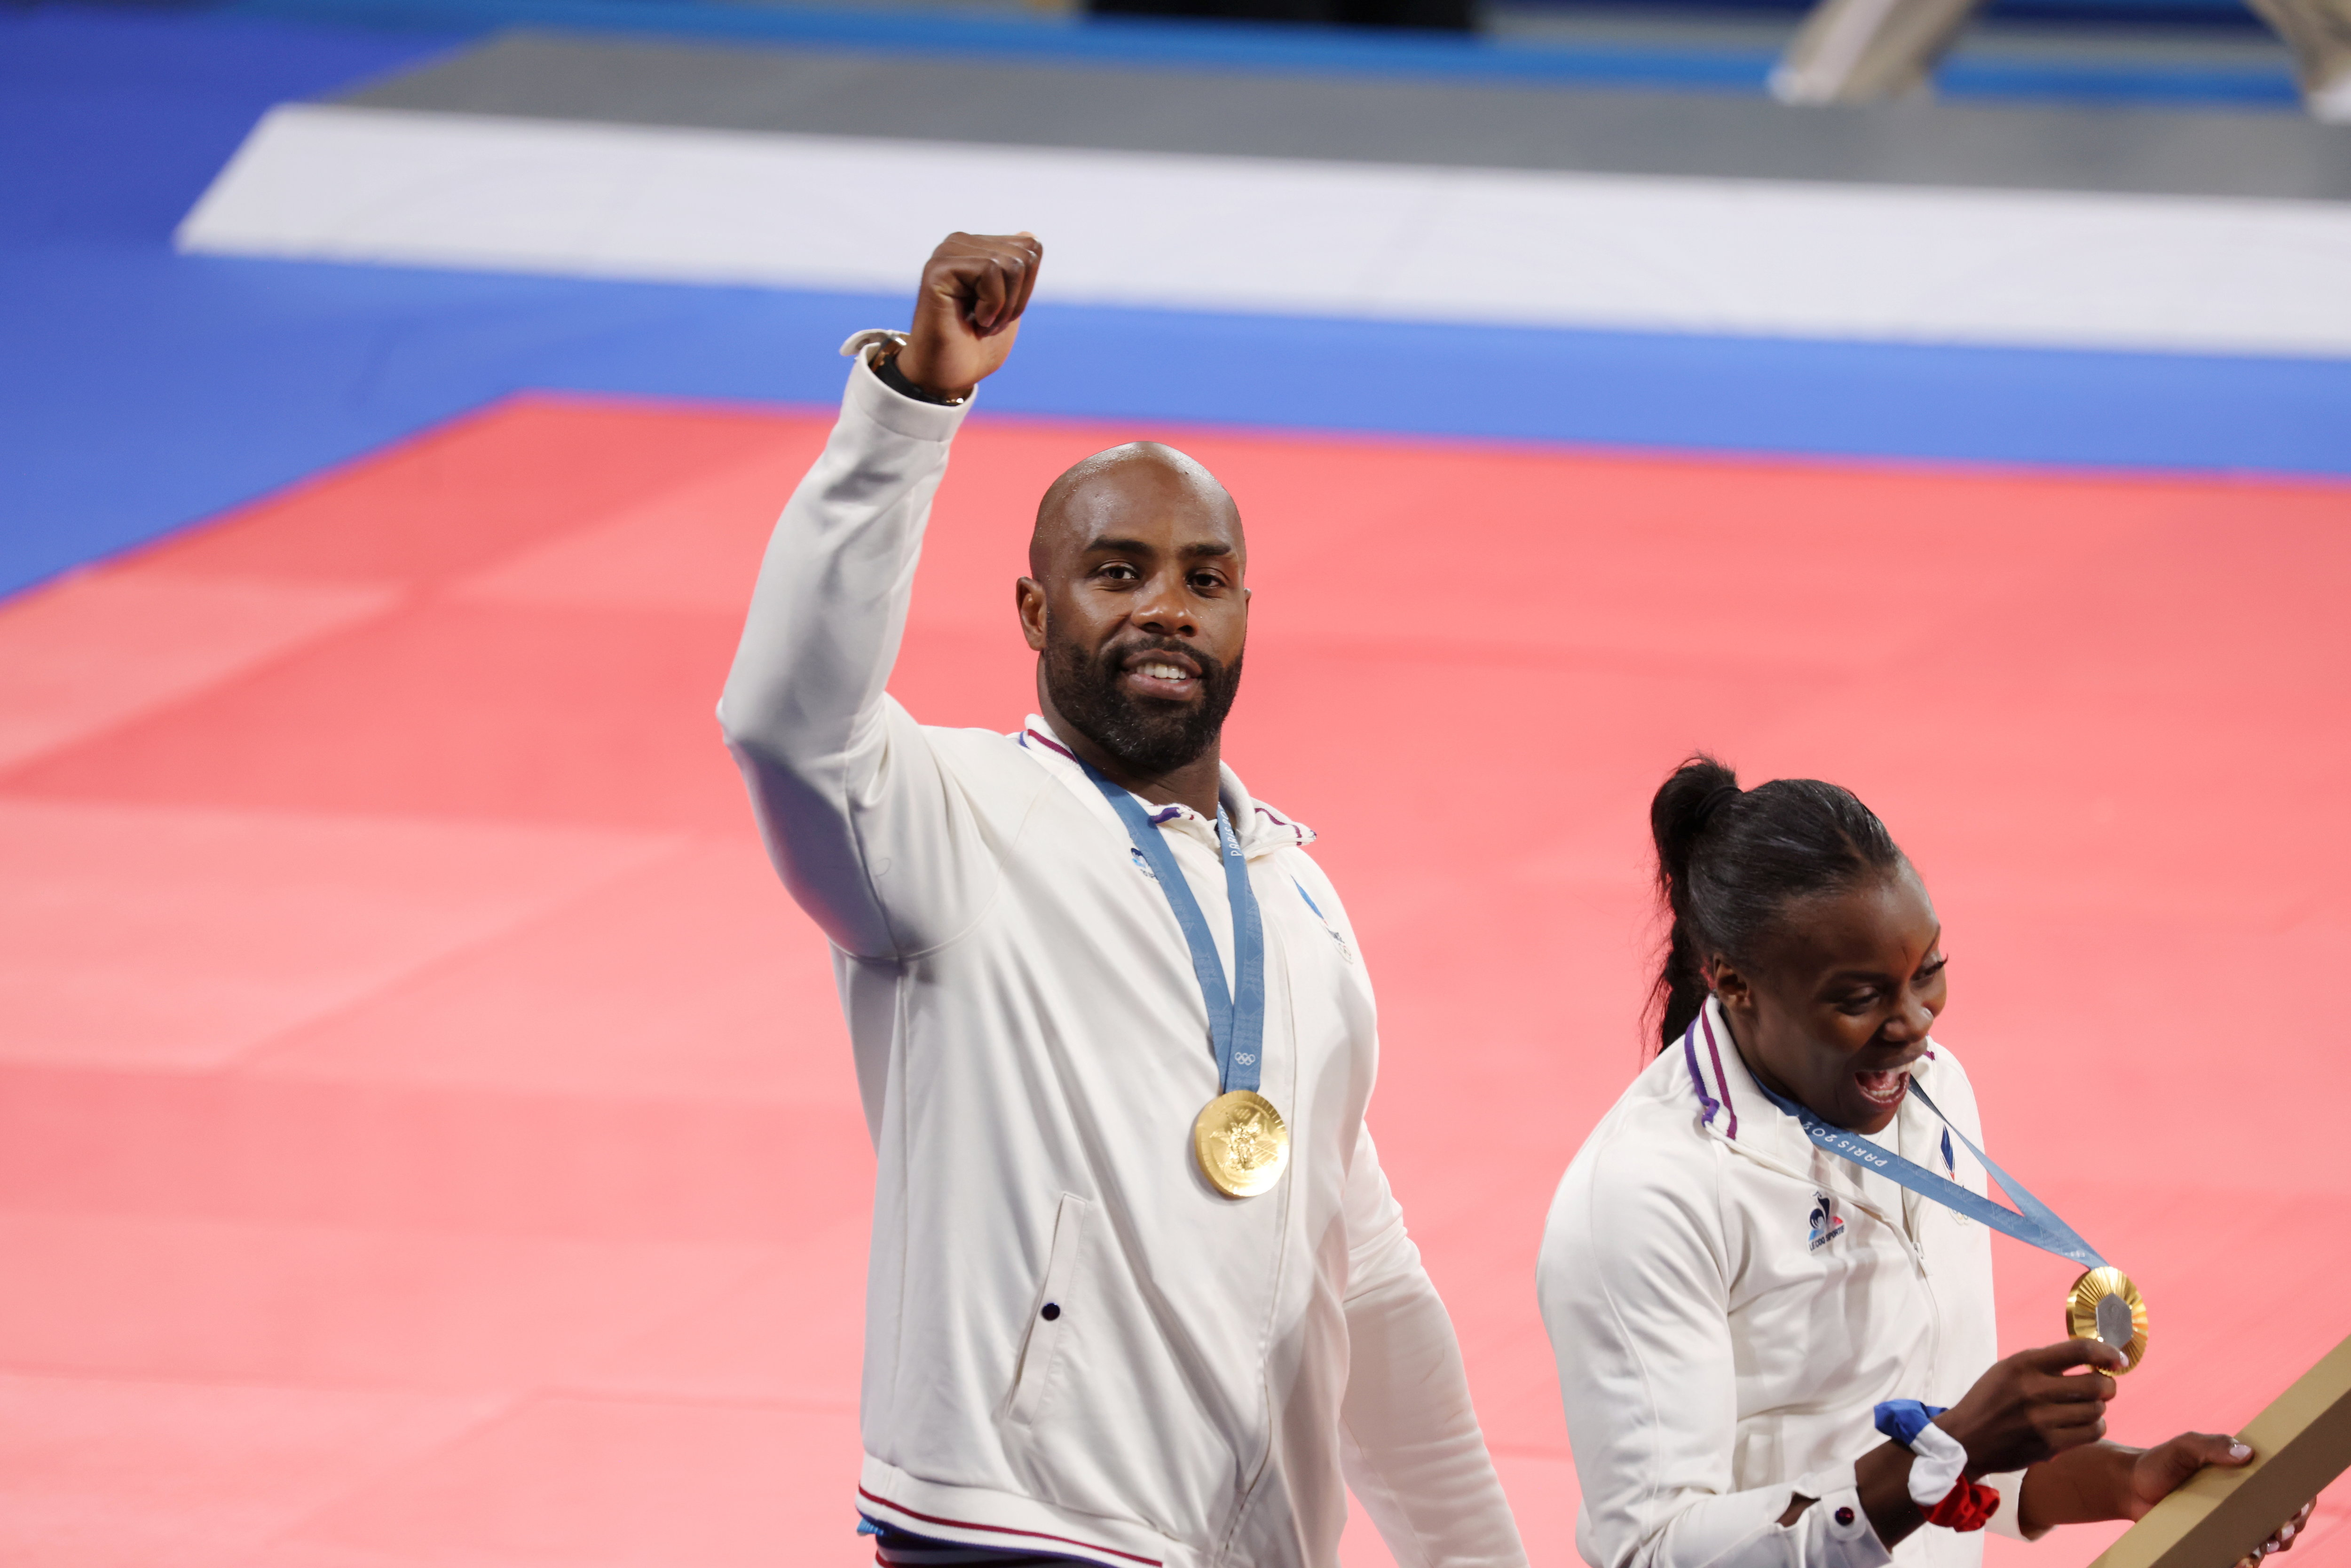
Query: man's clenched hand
{"points": [[968, 311]]}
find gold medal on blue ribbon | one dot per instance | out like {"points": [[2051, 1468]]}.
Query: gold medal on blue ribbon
{"points": [[1241, 1144], [2103, 1305], [1238, 1140]]}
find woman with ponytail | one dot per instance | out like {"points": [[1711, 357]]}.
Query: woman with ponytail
{"points": [[1771, 1357]]}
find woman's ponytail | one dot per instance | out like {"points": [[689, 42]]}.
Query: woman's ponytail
{"points": [[1729, 860], [1684, 805]]}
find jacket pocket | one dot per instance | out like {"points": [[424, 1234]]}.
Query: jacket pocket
{"points": [[1051, 1314]]}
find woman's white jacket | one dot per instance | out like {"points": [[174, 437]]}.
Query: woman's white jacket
{"points": [[1728, 1304]]}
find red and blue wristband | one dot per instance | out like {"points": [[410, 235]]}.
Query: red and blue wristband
{"points": [[1938, 1483]]}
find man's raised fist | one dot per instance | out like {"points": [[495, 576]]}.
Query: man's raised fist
{"points": [[967, 310]]}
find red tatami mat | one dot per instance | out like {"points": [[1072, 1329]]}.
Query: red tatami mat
{"points": [[427, 1136]]}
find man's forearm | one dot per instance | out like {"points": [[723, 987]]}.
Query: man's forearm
{"points": [[1416, 1457], [805, 709], [831, 602]]}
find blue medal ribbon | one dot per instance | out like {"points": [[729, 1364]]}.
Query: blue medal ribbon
{"points": [[1236, 1016], [2037, 1223]]}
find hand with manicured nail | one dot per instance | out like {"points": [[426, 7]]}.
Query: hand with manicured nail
{"points": [[2283, 1540], [2106, 1480], [2162, 1469], [2159, 1471]]}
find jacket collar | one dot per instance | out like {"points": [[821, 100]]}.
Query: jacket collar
{"points": [[1261, 828], [1733, 1107]]}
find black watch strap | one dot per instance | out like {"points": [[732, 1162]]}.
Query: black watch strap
{"points": [[885, 365]]}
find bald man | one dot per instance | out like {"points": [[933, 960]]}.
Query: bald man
{"points": [[1138, 1291]]}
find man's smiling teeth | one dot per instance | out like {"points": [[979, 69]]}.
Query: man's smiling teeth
{"points": [[1884, 1086], [1163, 671]]}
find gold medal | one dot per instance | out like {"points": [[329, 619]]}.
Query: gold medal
{"points": [[2103, 1305], [1241, 1144]]}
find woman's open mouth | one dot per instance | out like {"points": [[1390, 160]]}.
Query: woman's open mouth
{"points": [[1884, 1085]]}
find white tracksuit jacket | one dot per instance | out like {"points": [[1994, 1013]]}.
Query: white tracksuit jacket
{"points": [[1032, 1047], [1728, 1304]]}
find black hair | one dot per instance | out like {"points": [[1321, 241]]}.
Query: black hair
{"points": [[1729, 861]]}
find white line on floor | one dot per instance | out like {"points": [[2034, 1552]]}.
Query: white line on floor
{"points": [[1293, 236]]}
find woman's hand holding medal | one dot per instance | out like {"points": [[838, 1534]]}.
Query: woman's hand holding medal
{"points": [[2023, 1411], [2033, 1407]]}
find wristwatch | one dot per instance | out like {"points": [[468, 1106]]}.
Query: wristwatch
{"points": [[885, 365]]}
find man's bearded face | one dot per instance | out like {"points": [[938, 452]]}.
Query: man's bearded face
{"points": [[1151, 736]]}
